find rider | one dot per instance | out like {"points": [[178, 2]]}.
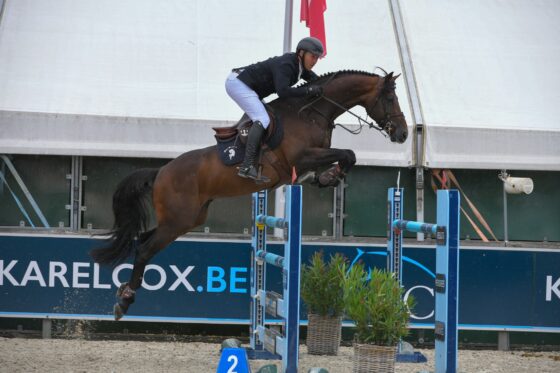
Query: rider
{"points": [[248, 85]]}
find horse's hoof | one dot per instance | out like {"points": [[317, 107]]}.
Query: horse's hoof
{"points": [[331, 177], [118, 312]]}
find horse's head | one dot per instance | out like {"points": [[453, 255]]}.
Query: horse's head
{"points": [[384, 108]]}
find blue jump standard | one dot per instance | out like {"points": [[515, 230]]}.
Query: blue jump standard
{"points": [[266, 343], [446, 284]]}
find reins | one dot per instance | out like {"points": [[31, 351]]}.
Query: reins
{"points": [[383, 127], [361, 120]]}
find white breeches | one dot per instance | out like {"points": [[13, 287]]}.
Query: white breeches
{"points": [[247, 99]]}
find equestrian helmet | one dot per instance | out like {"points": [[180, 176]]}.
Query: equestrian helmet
{"points": [[311, 45]]}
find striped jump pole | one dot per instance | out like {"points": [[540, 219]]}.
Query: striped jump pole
{"points": [[446, 232], [266, 343]]}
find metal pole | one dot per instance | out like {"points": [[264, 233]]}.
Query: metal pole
{"points": [[505, 215], [338, 214], [414, 101], [288, 26], [258, 271], [280, 198], [47, 329], [503, 176], [279, 202], [76, 181], [25, 191], [2, 10]]}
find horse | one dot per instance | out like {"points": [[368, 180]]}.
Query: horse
{"points": [[182, 190]]}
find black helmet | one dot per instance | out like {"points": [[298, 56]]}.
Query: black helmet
{"points": [[311, 45]]}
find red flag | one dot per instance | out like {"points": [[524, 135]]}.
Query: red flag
{"points": [[312, 13]]}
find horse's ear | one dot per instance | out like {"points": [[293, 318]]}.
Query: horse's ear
{"points": [[388, 81], [395, 78]]}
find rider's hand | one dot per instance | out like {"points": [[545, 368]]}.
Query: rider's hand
{"points": [[314, 90]]}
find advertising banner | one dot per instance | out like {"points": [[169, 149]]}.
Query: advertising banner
{"points": [[207, 281]]}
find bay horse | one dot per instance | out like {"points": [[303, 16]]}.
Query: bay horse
{"points": [[183, 189]]}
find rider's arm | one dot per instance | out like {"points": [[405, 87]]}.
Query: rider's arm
{"points": [[281, 75]]}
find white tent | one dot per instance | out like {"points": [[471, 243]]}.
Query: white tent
{"points": [[488, 81], [144, 78]]}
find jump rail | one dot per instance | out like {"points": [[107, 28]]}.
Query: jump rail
{"points": [[446, 284]]}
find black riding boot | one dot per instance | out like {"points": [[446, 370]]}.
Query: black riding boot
{"points": [[248, 168]]}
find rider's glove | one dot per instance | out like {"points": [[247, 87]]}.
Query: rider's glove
{"points": [[314, 90]]}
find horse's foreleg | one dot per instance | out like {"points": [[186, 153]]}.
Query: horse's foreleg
{"points": [[318, 157]]}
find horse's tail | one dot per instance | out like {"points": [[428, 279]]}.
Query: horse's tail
{"points": [[131, 217]]}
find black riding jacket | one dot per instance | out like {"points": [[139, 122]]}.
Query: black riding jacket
{"points": [[276, 75]]}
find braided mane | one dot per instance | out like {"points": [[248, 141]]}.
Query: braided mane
{"points": [[322, 78]]}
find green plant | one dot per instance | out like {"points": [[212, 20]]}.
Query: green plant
{"points": [[376, 306], [322, 285]]}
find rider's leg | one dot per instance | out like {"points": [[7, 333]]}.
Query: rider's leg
{"points": [[248, 167], [249, 101]]}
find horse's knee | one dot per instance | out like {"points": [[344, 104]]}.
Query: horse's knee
{"points": [[351, 157], [348, 161]]}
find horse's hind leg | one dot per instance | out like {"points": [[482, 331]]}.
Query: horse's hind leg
{"points": [[151, 242]]}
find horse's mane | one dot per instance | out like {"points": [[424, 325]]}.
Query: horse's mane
{"points": [[325, 77], [322, 79]]}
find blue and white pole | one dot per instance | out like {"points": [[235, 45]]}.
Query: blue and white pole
{"points": [[447, 281], [286, 306], [446, 232], [394, 238]]}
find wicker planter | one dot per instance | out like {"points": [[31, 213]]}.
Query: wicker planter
{"points": [[371, 358], [323, 334]]}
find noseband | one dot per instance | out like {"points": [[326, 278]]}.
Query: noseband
{"points": [[386, 123]]}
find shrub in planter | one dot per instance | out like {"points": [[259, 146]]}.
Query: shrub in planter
{"points": [[375, 303], [322, 291]]}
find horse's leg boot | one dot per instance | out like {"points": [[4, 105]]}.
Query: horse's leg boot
{"points": [[331, 177], [125, 297], [248, 168]]}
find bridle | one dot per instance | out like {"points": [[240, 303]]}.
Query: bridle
{"points": [[385, 126], [386, 123]]}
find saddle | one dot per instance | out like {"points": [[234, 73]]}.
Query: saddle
{"points": [[231, 140], [242, 127]]}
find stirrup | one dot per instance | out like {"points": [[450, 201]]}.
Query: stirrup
{"points": [[253, 173], [243, 172]]}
